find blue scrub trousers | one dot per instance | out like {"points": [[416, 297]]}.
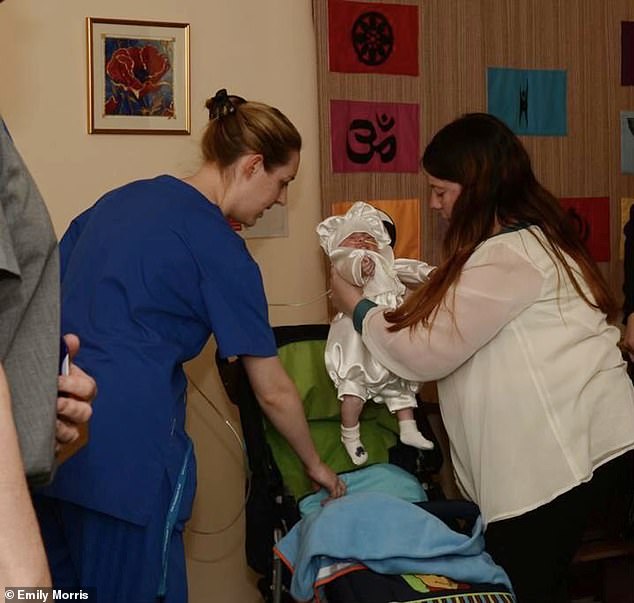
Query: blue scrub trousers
{"points": [[122, 561]]}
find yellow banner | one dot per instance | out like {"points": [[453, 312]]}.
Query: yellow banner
{"points": [[626, 204]]}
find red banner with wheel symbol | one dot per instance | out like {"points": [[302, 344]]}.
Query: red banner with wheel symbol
{"points": [[372, 37]]}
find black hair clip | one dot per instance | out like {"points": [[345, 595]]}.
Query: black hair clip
{"points": [[223, 104]]}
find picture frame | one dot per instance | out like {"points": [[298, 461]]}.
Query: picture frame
{"points": [[138, 77]]}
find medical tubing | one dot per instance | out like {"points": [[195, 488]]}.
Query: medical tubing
{"points": [[247, 467], [306, 303]]}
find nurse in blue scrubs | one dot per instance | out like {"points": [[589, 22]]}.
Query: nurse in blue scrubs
{"points": [[149, 273]]}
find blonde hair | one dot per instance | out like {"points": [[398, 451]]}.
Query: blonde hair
{"points": [[237, 126]]}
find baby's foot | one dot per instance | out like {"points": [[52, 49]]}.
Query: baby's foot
{"points": [[417, 440], [356, 451], [351, 439], [410, 435]]}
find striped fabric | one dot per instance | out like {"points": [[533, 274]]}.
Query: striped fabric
{"points": [[490, 597]]}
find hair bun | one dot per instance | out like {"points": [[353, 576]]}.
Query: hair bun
{"points": [[223, 104]]}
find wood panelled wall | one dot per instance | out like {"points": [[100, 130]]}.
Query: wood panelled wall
{"points": [[458, 40]]}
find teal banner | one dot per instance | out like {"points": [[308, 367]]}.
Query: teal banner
{"points": [[532, 102]]}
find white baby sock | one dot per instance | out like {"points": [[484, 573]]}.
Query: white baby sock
{"points": [[351, 438], [410, 435]]}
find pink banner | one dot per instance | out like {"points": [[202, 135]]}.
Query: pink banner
{"points": [[374, 137]]}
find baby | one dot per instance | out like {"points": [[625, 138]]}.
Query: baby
{"points": [[360, 248]]}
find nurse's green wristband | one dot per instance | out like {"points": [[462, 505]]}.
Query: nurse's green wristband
{"points": [[359, 312]]}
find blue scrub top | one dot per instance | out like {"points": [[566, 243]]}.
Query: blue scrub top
{"points": [[148, 274]]}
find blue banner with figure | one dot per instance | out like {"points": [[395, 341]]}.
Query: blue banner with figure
{"points": [[531, 102]]}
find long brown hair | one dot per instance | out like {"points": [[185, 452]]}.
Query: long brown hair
{"points": [[482, 154]]}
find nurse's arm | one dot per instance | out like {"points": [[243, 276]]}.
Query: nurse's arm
{"points": [[22, 558], [281, 403]]}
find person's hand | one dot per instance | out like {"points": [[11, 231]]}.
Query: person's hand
{"points": [[343, 295], [76, 390], [324, 476], [628, 337]]}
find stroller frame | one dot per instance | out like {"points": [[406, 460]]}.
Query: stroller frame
{"points": [[271, 510]]}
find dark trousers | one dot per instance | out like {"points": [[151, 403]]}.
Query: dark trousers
{"points": [[536, 549], [120, 560]]}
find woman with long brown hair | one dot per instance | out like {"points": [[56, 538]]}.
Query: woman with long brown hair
{"points": [[514, 327]]}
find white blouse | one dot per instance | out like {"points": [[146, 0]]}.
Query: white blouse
{"points": [[533, 390]]}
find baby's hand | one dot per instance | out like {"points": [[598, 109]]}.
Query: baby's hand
{"points": [[367, 267]]}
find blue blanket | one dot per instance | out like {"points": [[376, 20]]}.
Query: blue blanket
{"points": [[381, 477], [387, 535]]}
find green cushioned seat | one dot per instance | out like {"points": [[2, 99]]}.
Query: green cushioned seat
{"points": [[304, 362]]}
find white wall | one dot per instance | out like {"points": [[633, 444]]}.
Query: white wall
{"points": [[263, 50]]}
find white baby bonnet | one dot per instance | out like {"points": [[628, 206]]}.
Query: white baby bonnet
{"points": [[361, 217]]}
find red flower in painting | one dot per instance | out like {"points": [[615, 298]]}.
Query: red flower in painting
{"points": [[138, 69], [111, 105]]}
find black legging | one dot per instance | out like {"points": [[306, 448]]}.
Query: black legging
{"points": [[536, 548]]}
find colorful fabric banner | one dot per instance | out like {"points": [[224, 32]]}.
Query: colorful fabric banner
{"points": [[529, 101], [627, 142], [591, 216], [374, 137], [627, 53], [626, 204], [372, 37], [405, 214]]}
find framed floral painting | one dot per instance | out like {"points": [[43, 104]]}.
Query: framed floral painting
{"points": [[138, 77]]}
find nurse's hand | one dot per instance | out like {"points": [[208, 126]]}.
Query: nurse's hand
{"points": [[76, 390], [343, 295], [324, 476]]}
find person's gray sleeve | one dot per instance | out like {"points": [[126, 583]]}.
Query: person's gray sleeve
{"points": [[29, 310]]}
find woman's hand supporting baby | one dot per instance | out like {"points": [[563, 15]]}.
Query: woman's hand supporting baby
{"points": [[343, 295]]}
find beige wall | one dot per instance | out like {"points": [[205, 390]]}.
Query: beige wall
{"points": [[261, 50]]}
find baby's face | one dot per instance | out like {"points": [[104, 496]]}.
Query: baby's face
{"points": [[360, 240]]}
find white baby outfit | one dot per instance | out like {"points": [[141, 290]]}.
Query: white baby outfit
{"points": [[350, 365]]}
